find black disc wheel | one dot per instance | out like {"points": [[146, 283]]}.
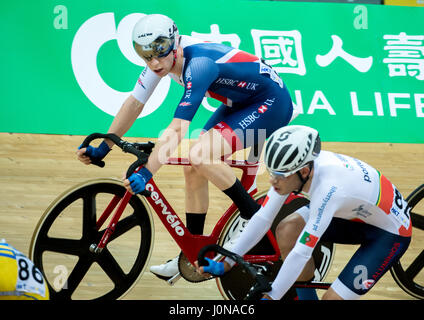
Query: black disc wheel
{"points": [[408, 271], [60, 245]]}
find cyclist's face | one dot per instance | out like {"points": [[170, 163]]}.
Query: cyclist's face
{"points": [[284, 185], [161, 66]]}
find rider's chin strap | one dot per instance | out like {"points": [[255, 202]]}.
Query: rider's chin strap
{"points": [[303, 180]]}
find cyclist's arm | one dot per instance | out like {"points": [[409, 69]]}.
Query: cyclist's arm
{"points": [[198, 75], [134, 104], [322, 209], [167, 143], [259, 224], [125, 118]]}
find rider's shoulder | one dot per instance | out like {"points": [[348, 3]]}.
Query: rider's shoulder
{"points": [[195, 47], [328, 173], [186, 41]]}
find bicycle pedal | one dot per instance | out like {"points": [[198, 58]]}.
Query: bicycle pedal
{"points": [[174, 279]]}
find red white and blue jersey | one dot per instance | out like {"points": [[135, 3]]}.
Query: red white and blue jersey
{"points": [[234, 77], [253, 95]]}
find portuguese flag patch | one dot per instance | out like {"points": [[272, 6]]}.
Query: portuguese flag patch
{"points": [[309, 239]]}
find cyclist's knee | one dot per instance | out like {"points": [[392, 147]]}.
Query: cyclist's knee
{"points": [[192, 177], [190, 172], [209, 149], [200, 155], [288, 231]]}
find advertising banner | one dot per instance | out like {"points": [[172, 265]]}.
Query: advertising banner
{"points": [[355, 72], [419, 3]]}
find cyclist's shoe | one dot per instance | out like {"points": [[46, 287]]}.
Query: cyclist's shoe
{"points": [[235, 233], [166, 270]]}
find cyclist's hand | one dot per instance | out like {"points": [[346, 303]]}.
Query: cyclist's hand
{"points": [[136, 183], [213, 268], [86, 155]]}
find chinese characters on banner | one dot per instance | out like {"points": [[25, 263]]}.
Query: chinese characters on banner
{"points": [[280, 49], [405, 55], [283, 51]]}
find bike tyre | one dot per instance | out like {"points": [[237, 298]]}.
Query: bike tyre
{"points": [[141, 217]]}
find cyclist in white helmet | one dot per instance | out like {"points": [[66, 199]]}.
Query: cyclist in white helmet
{"points": [[350, 203], [255, 102]]}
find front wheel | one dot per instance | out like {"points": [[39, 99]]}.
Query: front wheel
{"points": [[408, 271], [235, 284], [60, 246]]}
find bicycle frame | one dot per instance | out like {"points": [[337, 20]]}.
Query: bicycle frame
{"points": [[190, 244]]}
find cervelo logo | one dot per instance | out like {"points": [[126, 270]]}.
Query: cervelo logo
{"points": [[89, 38], [170, 218]]}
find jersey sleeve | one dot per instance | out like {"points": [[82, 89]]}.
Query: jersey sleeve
{"points": [[198, 76], [322, 208], [146, 84]]}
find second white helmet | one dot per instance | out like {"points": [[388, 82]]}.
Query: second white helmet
{"points": [[291, 148]]}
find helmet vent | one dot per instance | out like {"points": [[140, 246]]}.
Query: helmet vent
{"points": [[281, 155], [292, 156]]}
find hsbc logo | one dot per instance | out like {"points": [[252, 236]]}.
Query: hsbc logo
{"points": [[189, 85], [226, 81], [248, 85], [262, 109], [237, 83], [247, 121]]}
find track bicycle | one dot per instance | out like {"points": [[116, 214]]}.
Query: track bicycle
{"points": [[98, 229]]}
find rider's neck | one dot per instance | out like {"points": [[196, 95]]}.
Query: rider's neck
{"points": [[308, 183], [177, 69]]}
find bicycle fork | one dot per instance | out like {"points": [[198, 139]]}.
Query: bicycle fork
{"points": [[97, 248]]}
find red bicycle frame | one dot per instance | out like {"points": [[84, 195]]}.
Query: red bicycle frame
{"points": [[190, 244]]}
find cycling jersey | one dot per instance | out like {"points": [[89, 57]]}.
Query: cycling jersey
{"points": [[253, 95], [19, 278], [350, 202]]}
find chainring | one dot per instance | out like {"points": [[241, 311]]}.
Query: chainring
{"points": [[188, 271]]}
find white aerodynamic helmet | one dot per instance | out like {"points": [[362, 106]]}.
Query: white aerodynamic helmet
{"points": [[155, 35], [291, 148]]}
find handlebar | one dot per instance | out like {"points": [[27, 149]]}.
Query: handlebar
{"points": [[262, 283], [140, 150]]}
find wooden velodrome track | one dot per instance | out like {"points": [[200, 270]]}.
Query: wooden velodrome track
{"points": [[35, 169]]}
